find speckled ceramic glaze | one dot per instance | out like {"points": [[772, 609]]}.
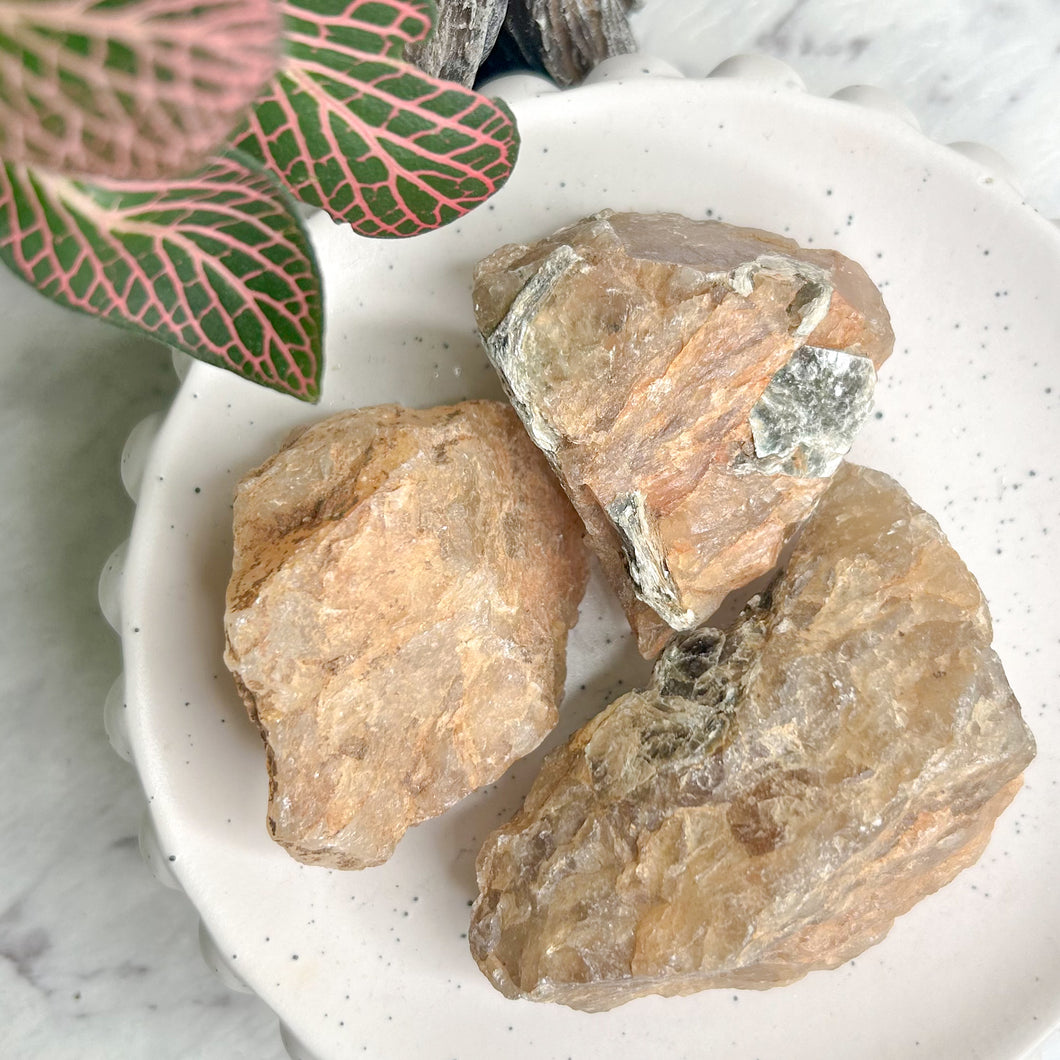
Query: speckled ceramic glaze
{"points": [[376, 963]]}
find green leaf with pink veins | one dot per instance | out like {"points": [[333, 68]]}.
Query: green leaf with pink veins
{"points": [[129, 89], [351, 127], [217, 264]]}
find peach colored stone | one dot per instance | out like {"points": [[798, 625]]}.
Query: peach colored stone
{"points": [[402, 587], [692, 383], [780, 793]]}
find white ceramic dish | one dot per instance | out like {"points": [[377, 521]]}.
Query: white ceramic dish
{"points": [[376, 963]]}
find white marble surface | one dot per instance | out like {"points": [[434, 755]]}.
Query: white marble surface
{"points": [[985, 70], [96, 959]]}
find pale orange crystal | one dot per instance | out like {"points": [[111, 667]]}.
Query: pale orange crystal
{"points": [[637, 349], [397, 618], [781, 793]]}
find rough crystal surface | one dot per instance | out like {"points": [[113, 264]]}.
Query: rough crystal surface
{"points": [[641, 351], [464, 32], [567, 38], [780, 793], [402, 587]]}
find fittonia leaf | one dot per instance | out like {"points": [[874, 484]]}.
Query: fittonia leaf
{"points": [[129, 88], [349, 126], [217, 265]]}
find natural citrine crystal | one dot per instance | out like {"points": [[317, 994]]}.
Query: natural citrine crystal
{"points": [[402, 587], [780, 793], [693, 385]]}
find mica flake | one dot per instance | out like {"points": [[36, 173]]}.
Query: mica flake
{"points": [[811, 411]]}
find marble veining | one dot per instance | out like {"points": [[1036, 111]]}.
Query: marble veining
{"points": [[986, 71]]}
